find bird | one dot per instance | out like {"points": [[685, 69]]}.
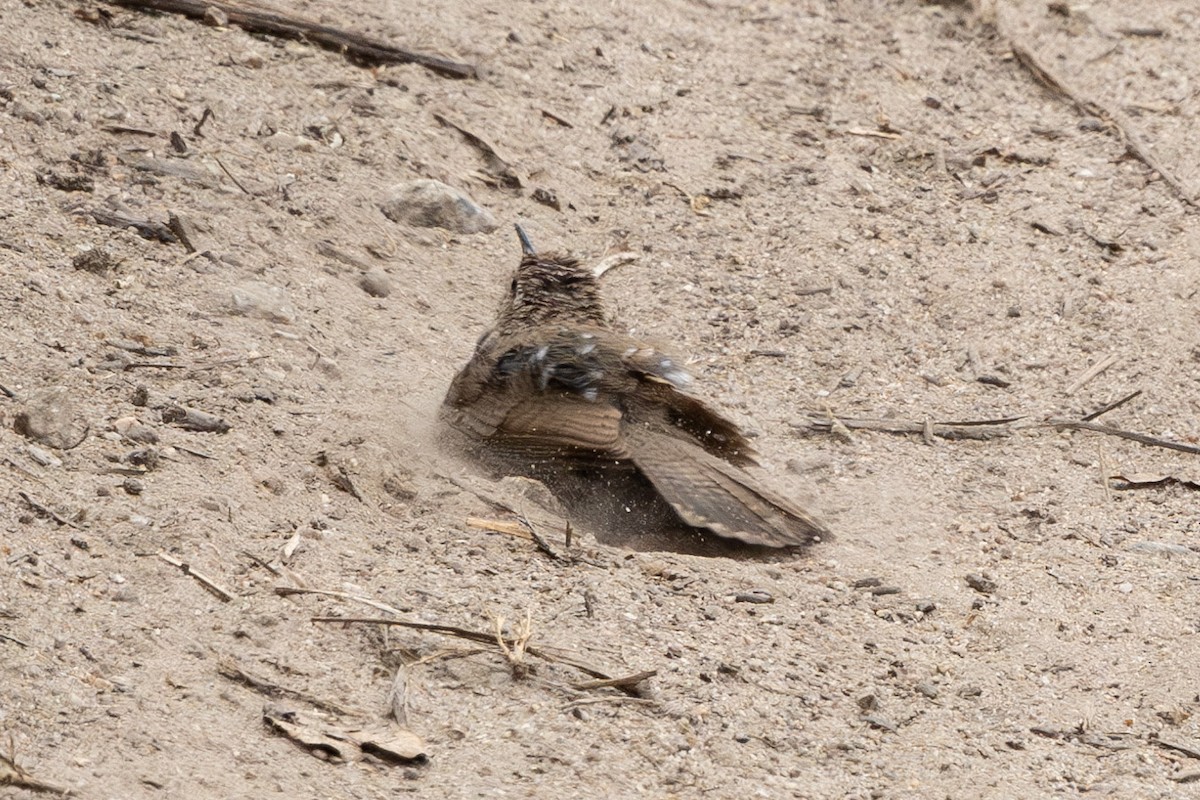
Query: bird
{"points": [[554, 389]]}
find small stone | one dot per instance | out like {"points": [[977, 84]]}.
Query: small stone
{"points": [[43, 457], [261, 301], [96, 260], [432, 204], [375, 283], [49, 418], [195, 420], [547, 198], [981, 583], [215, 17], [146, 458], [133, 486], [928, 690], [1125, 588], [761, 596]]}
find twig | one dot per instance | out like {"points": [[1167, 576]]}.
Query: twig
{"points": [[227, 667], [146, 228], [495, 163], [1129, 135], [231, 176], [477, 636], [623, 682], [514, 649], [613, 261], [264, 564], [14, 640], [398, 696], [1115, 404], [41, 509], [223, 594], [13, 775], [875, 134], [500, 526], [1152, 441], [560, 120], [285, 591], [970, 429], [1093, 371], [275, 23]]}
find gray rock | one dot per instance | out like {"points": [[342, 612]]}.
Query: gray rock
{"points": [[50, 419], [260, 300], [375, 283], [433, 204]]}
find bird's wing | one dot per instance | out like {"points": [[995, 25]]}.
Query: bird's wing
{"points": [[560, 425], [659, 394], [708, 492], [516, 409]]}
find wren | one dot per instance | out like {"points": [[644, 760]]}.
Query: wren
{"points": [[554, 392]]}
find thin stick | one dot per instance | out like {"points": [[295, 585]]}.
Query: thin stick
{"points": [[223, 594], [1093, 371], [475, 636], [1141, 438], [623, 682], [284, 591], [613, 261], [970, 429], [275, 23], [236, 182], [13, 775], [228, 668], [398, 696], [1129, 135], [41, 509], [1115, 404]]}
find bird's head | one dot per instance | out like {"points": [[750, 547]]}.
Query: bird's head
{"points": [[549, 288]]}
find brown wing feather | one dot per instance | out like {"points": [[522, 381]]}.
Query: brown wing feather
{"points": [[707, 492]]}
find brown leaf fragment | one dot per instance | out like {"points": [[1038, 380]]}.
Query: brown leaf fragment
{"points": [[390, 743], [306, 730]]}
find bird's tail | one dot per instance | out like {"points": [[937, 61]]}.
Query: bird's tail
{"points": [[707, 492]]}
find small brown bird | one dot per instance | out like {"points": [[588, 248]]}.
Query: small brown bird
{"points": [[553, 390]]}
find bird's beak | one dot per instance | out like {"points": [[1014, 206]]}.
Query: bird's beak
{"points": [[526, 245]]}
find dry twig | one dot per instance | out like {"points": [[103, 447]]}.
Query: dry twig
{"points": [[481, 637], [227, 667], [13, 775], [1141, 438], [276, 23], [970, 429], [208, 583], [1130, 136]]}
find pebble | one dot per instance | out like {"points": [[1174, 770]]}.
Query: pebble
{"points": [[261, 301], [761, 596], [50, 419], [981, 583], [133, 486], [43, 457], [375, 283], [432, 204]]}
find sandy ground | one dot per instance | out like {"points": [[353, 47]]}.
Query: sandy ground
{"points": [[858, 207]]}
